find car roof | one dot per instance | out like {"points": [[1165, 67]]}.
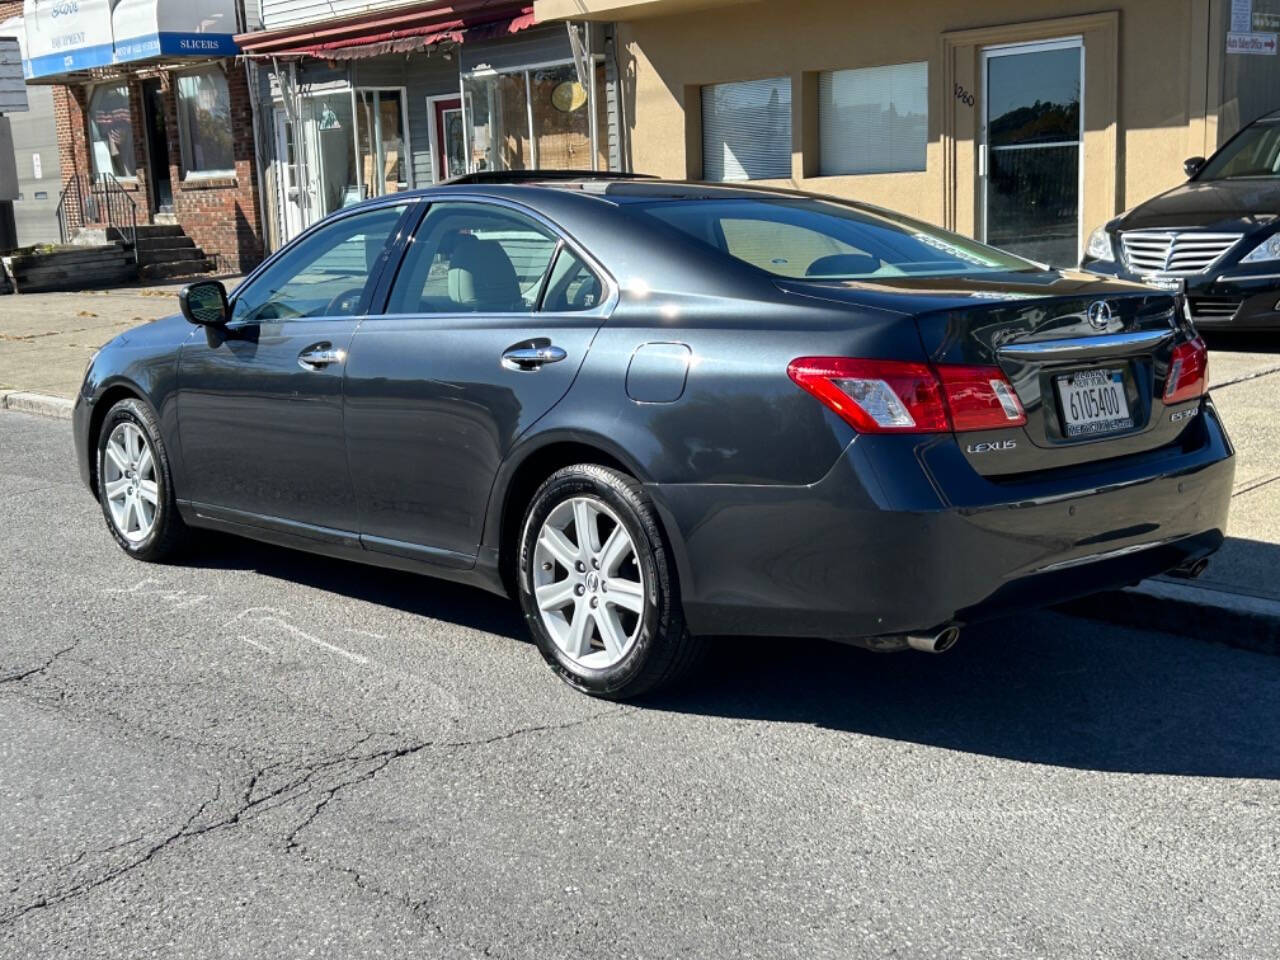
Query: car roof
{"points": [[616, 188]]}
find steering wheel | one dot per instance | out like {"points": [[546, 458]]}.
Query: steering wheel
{"points": [[339, 305]]}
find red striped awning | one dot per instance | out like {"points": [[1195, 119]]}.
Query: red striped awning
{"points": [[399, 30]]}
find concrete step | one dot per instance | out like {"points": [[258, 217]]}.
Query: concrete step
{"points": [[103, 274], [180, 268], [158, 230], [66, 256], [165, 243], [169, 255]]}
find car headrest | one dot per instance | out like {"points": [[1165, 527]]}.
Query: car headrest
{"points": [[481, 276], [843, 264]]}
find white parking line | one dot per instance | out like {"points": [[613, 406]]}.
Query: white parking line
{"points": [[261, 646], [274, 616]]}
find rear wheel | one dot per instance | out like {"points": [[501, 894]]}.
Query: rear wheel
{"points": [[598, 586], [135, 486]]}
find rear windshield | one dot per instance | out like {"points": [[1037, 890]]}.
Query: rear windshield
{"points": [[1254, 154], [811, 239]]}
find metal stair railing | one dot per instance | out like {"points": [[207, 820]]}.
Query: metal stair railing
{"points": [[98, 200]]}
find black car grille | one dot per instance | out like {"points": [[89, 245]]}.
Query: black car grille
{"points": [[1214, 308]]}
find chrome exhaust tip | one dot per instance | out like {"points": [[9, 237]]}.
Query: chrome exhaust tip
{"points": [[939, 642], [1190, 570]]}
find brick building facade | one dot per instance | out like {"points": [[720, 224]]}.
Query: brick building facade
{"points": [[151, 97], [221, 214]]}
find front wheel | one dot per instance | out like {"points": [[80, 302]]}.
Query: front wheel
{"points": [[598, 585], [135, 486]]}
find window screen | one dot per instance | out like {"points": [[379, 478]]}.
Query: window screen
{"points": [[746, 130], [874, 120]]}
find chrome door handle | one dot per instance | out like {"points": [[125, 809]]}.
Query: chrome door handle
{"points": [[532, 356], [320, 355]]}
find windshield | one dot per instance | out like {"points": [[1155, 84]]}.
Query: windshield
{"points": [[1253, 154], [812, 239]]}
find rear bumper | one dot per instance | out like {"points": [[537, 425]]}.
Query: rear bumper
{"points": [[854, 556]]}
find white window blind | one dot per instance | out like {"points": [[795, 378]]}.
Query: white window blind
{"points": [[746, 130], [874, 120]]}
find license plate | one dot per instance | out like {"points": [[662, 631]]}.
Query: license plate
{"points": [[1093, 403], [1167, 284]]}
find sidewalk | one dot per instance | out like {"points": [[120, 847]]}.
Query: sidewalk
{"points": [[46, 341]]}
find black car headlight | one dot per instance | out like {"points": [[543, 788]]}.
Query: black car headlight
{"points": [[1268, 249]]}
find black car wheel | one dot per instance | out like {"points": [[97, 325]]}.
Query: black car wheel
{"points": [[598, 585], [134, 485]]}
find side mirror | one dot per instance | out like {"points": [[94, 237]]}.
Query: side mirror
{"points": [[205, 303], [1193, 165]]}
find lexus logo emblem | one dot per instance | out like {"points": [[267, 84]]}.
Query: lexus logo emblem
{"points": [[1099, 314]]}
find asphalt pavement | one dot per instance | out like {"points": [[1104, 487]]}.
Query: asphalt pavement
{"points": [[262, 754]]}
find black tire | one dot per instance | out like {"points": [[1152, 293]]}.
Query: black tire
{"points": [[168, 533], [663, 650]]}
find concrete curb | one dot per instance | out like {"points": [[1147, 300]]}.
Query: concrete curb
{"points": [[1190, 609], [38, 403]]}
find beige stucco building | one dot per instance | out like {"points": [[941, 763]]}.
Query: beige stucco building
{"points": [[1024, 122]]}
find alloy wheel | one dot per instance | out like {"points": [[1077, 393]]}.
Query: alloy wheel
{"points": [[129, 482], [588, 583]]}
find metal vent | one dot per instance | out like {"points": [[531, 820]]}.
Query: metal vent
{"points": [[1213, 308], [1150, 251]]}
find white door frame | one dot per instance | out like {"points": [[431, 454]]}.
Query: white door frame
{"points": [[290, 208], [1012, 49]]}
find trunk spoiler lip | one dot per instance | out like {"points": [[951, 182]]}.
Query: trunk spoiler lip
{"points": [[1102, 345]]}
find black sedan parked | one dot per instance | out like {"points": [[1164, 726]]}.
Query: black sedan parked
{"points": [[1216, 237], [653, 411]]}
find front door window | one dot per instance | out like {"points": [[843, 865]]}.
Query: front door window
{"points": [[324, 275], [1032, 147]]}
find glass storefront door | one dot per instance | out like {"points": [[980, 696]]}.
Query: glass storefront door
{"points": [[330, 155], [1031, 149], [382, 142]]}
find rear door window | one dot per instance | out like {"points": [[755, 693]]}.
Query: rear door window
{"points": [[474, 258]]}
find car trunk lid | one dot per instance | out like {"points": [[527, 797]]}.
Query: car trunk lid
{"points": [[1088, 359]]}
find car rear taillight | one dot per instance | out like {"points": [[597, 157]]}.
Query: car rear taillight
{"points": [[893, 396], [1188, 376]]}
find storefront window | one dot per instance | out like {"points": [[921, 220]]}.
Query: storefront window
{"points": [[561, 119], [382, 145], [746, 130], [1250, 65], [111, 131], [499, 124], [535, 119], [204, 122], [874, 119]]}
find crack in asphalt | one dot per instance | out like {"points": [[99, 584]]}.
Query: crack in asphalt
{"points": [[26, 674], [84, 887], [1244, 378], [357, 769]]}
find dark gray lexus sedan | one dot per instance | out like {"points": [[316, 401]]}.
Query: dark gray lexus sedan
{"points": [[653, 411]]}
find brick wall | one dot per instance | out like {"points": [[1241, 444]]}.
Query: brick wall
{"points": [[10, 8], [220, 215]]}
